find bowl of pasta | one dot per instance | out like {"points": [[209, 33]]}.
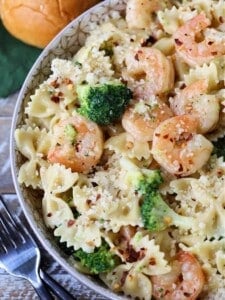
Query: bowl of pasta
{"points": [[117, 148]]}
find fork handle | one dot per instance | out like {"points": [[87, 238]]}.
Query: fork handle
{"points": [[55, 287], [41, 290]]}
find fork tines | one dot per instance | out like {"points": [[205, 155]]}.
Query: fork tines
{"points": [[11, 237]]}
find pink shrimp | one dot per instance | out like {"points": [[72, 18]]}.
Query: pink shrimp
{"points": [[189, 49], [149, 71], [141, 122], [79, 144], [139, 12], [195, 100], [177, 146], [184, 282]]}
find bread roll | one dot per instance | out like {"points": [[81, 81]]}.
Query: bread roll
{"points": [[36, 22]]}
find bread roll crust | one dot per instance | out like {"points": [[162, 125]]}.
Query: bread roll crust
{"points": [[37, 22]]}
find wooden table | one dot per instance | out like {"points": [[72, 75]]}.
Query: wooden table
{"points": [[13, 288]]}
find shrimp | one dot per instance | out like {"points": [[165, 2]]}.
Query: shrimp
{"points": [[138, 13], [195, 101], [153, 71], [189, 49], [184, 282], [79, 144], [142, 118], [178, 148]]}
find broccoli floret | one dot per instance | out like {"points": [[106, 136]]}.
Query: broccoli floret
{"points": [[157, 215], [103, 103], [99, 261], [149, 180], [143, 180]]}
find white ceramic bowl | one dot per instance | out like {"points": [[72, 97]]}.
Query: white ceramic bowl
{"points": [[65, 45]]}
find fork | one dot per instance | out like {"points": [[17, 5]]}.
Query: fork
{"points": [[20, 256]]}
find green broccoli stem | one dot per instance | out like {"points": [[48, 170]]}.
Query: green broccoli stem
{"points": [[157, 215], [155, 212]]}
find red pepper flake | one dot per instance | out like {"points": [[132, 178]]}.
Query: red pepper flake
{"points": [[78, 146], [152, 261], [166, 136], [142, 253], [55, 84], [214, 53], [70, 223], [124, 81], [88, 201], [221, 19], [219, 172], [98, 196], [105, 167], [190, 161], [183, 86], [180, 168], [49, 215], [131, 255], [136, 56], [67, 81], [55, 99], [178, 42], [186, 294], [210, 42], [124, 277], [149, 40], [157, 134], [60, 94], [121, 251]]}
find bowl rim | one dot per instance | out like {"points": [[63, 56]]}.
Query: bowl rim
{"points": [[84, 279]]}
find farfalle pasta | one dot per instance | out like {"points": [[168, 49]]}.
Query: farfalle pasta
{"points": [[171, 19], [57, 179], [55, 211], [125, 144], [82, 233], [124, 141]]}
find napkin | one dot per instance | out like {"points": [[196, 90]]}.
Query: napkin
{"points": [[16, 59]]}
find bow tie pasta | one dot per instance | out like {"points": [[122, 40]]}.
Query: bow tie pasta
{"points": [[126, 142]]}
